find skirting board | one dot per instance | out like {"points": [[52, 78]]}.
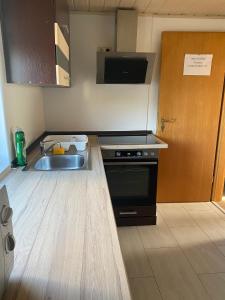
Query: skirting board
{"points": [[4, 173]]}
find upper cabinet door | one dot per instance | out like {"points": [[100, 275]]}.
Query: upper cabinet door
{"points": [[28, 31]]}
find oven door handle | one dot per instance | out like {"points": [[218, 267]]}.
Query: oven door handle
{"points": [[130, 163], [128, 213]]}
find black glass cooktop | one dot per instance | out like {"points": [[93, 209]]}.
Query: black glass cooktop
{"points": [[128, 140]]}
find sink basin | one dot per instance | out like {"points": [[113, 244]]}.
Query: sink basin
{"points": [[60, 162]]}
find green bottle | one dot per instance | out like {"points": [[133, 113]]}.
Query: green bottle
{"points": [[20, 148]]}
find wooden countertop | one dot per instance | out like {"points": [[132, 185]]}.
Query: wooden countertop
{"points": [[66, 238]]}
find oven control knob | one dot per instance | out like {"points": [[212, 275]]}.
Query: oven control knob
{"points": [[118, 153], [139, 153], [9, 243], [128, 154]]}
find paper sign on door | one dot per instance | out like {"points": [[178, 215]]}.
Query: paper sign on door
{"points": [[198, 64]]}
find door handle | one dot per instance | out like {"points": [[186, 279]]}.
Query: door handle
{"points": [[163, 121]]}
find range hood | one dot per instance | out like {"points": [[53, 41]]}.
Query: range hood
{"points": [[125, 65]]}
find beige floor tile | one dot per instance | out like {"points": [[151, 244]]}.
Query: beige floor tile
{"points": [[175, 276], [199, 249], [220, 205], [157, 236], [176, 216], [221, 249], [212, 223], [144, 289], [191, 206], [215, 285], [220, 211], [198, 206], [134, 254], [169, 205]]}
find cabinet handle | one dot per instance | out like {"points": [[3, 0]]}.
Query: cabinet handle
{"points": [[128, 213]]}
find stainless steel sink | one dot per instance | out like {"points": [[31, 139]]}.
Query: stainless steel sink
{"points": [[60, 162], [72, 160]]}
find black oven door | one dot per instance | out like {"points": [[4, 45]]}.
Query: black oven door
{"points": [[132, 183]]}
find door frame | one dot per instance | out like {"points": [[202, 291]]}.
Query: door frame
{"points": [[219, 170]]}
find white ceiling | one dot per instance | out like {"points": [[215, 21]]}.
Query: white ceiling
{"points": [[174, 7]]}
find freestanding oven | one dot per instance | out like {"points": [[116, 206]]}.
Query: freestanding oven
{"points": [[132, 181]]}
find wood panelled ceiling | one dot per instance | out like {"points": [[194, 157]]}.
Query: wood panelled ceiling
{"points": [[174, 7]]}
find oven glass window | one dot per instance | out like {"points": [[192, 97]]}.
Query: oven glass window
{"points": [[132, 185]]}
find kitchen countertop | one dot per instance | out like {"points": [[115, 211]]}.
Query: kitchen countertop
{"points": [[66, 238]]}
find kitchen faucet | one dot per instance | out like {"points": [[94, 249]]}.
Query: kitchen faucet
{"points": [[42, 146]]}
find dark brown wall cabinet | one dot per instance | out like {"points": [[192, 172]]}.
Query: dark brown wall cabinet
{"points": [[36, 41]]}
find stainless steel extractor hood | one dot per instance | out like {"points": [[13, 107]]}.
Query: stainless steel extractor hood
{"points": [[125, 65]]}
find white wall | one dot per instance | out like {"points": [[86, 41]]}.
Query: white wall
{"points": [[87, 106], [4, 146], [22, 106]]}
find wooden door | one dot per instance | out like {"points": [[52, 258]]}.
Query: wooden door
{"points": [[186, 168], [219, 174]]}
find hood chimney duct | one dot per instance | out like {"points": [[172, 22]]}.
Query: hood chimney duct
{"points": [[126, 30]]}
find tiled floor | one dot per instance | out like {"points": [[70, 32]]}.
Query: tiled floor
{"points": [[181, 258], [222, 202]]}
